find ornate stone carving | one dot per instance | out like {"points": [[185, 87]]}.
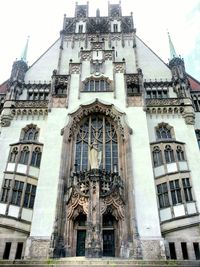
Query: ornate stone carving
{"points": [[59, 102], [119, 67], [155, 102], [100, 25], [95, 107], [86, 55], [69, 25], [132, 78], [115, 10], [127, 24], [97, 45], [75, 201], [40, 86], [39, 248], [31, 104], [108, 55], [59, 84], [6, 120], [75, 68]]}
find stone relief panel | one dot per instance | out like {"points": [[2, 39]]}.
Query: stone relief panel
{"points": [[75, 68], [119, 67], [39, 248], [85, 55]]}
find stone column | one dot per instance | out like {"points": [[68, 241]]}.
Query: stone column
{"points": [[93, 239]]}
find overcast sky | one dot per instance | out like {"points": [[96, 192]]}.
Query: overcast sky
{"points": [[42, 20]]}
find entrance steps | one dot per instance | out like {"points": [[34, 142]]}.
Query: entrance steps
{"points": [[103, 262]]}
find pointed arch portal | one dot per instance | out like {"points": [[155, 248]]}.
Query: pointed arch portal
{"points": [[95, 208]]}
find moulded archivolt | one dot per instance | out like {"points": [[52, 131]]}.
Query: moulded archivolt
{"points": [[97, 107]]}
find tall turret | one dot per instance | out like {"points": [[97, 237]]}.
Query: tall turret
{"points": [[19, 69], [179, 75]]}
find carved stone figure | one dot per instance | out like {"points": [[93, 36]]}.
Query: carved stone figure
{"points": [[94, 156]]}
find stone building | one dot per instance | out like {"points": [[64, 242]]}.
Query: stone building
{"points": [[100, 148]]}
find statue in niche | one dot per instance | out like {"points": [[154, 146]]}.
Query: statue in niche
{"points": [[94, 156]]}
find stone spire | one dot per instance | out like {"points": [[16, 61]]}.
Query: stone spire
{"points": [[24, 53], [171, 48]]}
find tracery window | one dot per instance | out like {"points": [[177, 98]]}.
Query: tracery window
{"points": [[99, 129], [17, 193], [163, 196], [97, 85], [36, 157], [29, 197], [24, 155], [179, 189], [157, 156], [175, 192], [198, 137], [163, 131], [187, 189], [13, 155], [5, 190], [180, 153], [169, 154], [30, 133]]}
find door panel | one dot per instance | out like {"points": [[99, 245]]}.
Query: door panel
{"points": [[80, 245], [108, 243]]}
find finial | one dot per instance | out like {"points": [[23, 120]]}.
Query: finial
{"points": [[171, 47], [24, 53], [98, 13]]}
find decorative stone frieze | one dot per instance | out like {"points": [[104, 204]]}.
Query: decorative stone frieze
{"points": [[155, 102], [30, 104], [75, 68], [30, 108], [38, 85], [119, 67]]}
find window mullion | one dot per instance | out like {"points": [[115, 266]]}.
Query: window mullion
{"points": [[104, 144]]}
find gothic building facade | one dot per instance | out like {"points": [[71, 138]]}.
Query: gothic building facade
{"points": [[100, 148]]}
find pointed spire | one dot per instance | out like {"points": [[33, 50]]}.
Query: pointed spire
{"points": [[24, 53], [171, 48]]}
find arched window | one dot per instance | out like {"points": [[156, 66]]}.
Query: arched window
{"points": [[97, 129], [198, 137], [24, 155], [36, 157], [13, 155], [30, 133], [180, 153], [157, 156], [169, 154], [97, 85], [163, 131]]}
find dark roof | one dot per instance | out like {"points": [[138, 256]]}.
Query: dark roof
{"points": [[194, 84], [3, 87]]}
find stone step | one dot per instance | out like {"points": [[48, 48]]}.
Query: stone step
{"points": [[104, 262]]}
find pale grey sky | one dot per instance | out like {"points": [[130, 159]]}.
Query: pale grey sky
{"points": [[42, 20]]}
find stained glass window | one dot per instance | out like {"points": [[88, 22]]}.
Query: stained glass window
{"points": [[99, 129]]}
